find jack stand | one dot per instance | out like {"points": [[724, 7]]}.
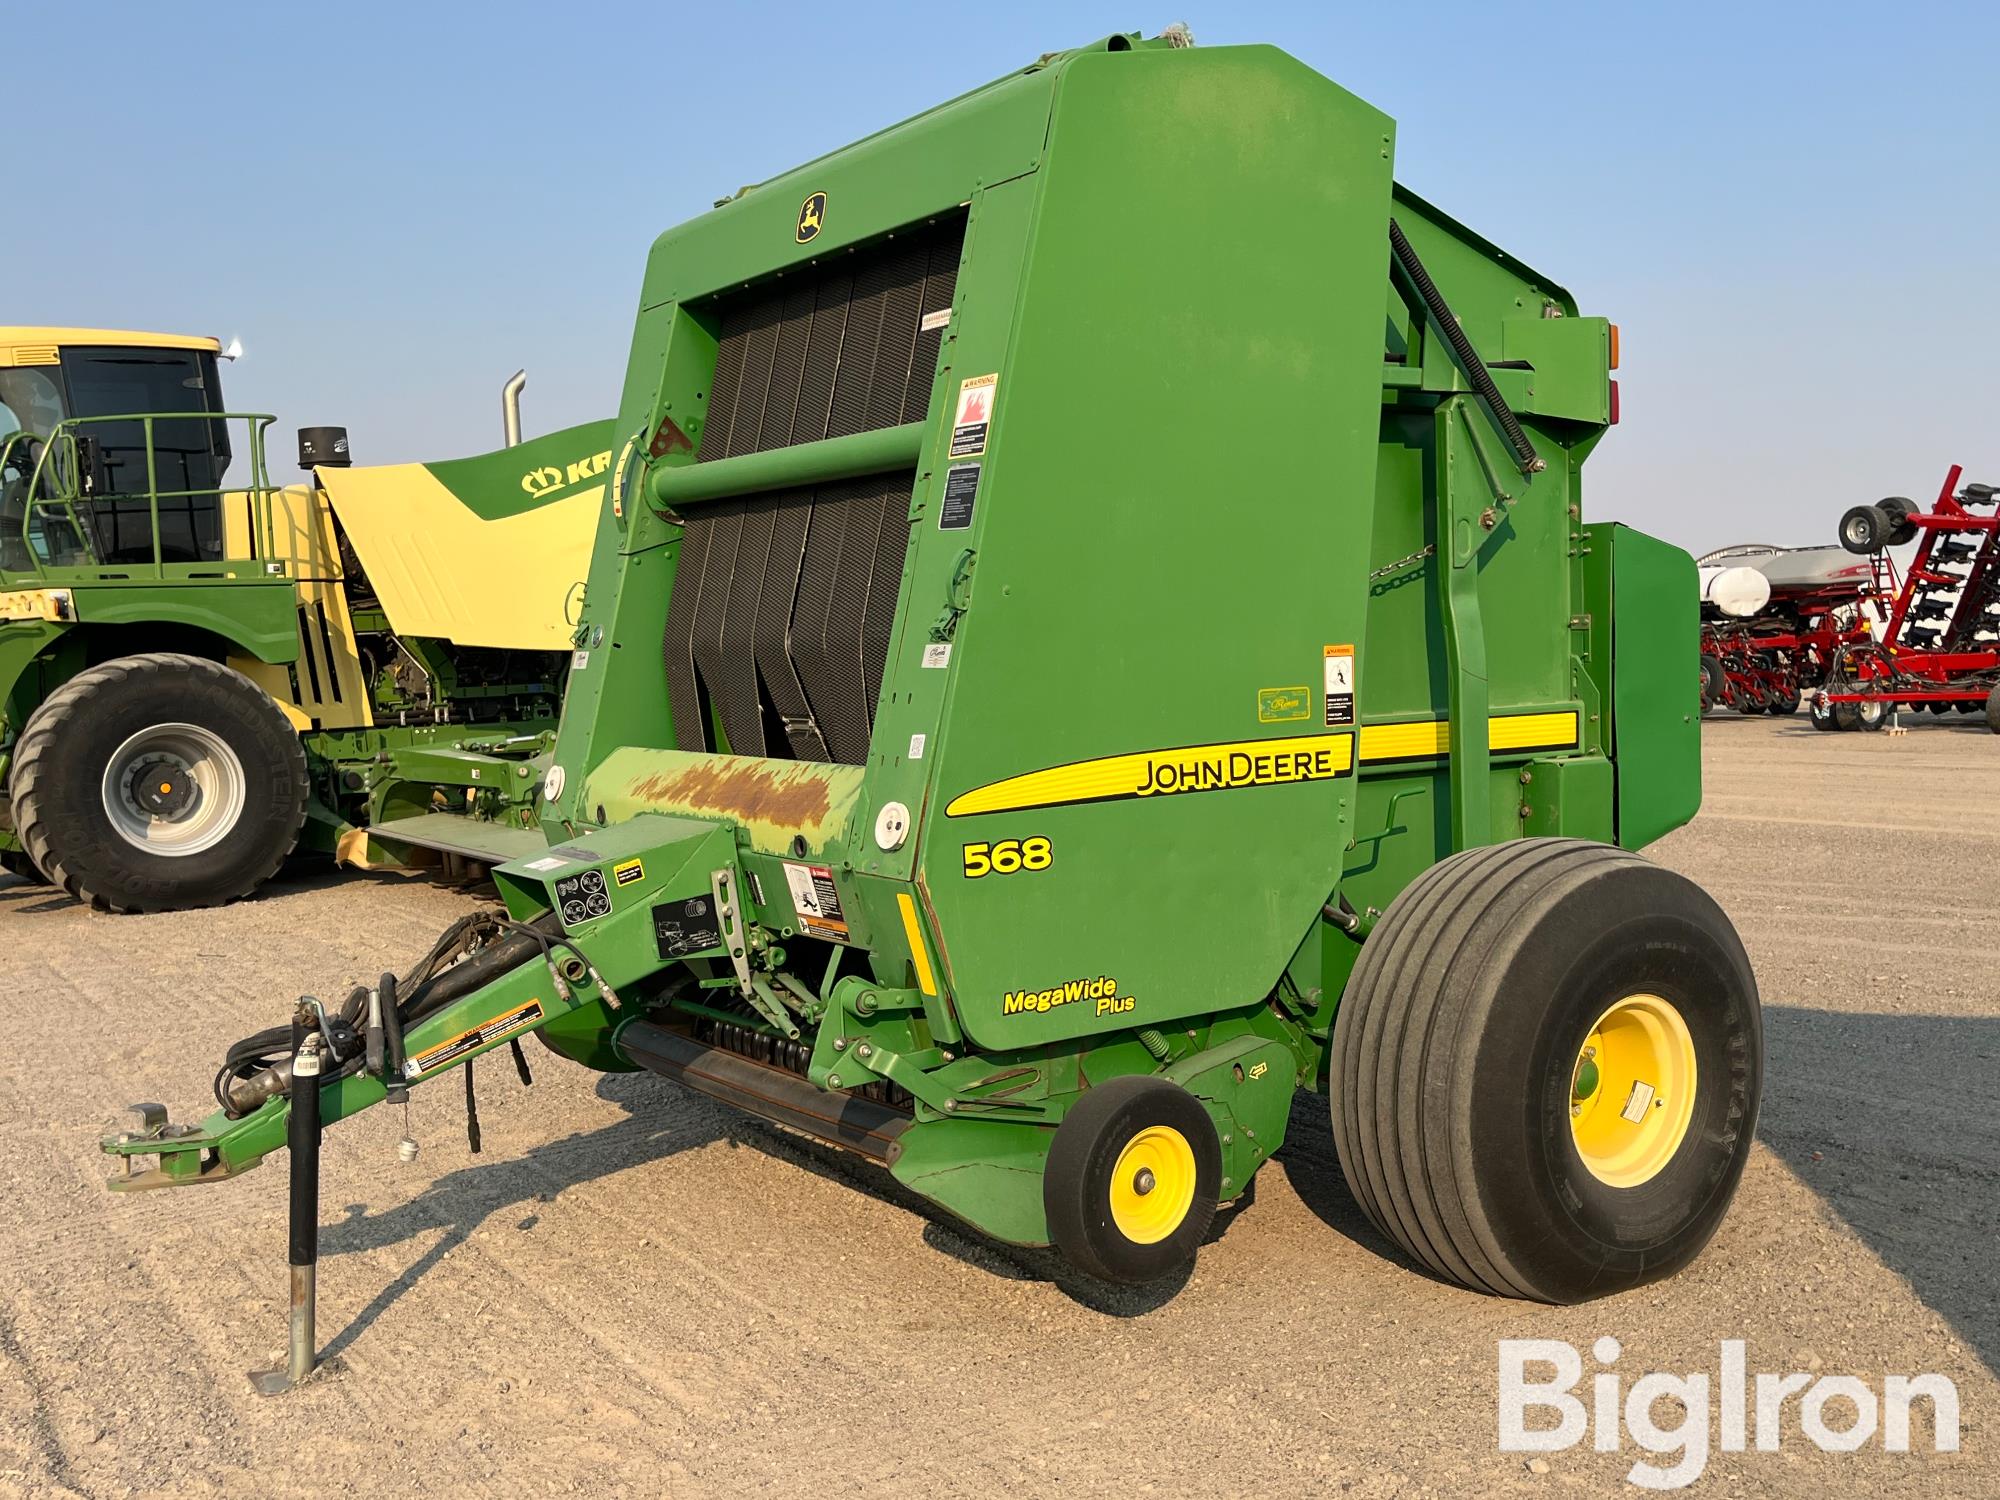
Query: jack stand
{"points": [[302, 1138]]}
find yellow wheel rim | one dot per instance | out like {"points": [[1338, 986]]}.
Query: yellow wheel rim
{"points": [[1152, 1186], [1632, 1091]]}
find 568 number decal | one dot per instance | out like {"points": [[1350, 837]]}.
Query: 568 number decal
{"points": [[1007, 857]]}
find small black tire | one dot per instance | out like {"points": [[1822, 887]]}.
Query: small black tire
{"points": [[1902, 530], [217, 842], [1787, 701], [1993, 710], [1864, 529], [1460, 1042], [1107, 1130], [1714, 682], [1825, 716], [1870, 717]]}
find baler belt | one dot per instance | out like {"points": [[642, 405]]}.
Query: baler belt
{"points": [[780, 618], [783, 603]]}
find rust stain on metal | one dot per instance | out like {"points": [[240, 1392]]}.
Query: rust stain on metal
{"points": [[751, 791]]}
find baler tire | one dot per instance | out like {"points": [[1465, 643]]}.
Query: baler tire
{"points": [[63, 756], [1078, 1180], [1488, 971], [1865, 529]]}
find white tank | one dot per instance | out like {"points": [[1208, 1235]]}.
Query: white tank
{"points": [[1736, 592]]}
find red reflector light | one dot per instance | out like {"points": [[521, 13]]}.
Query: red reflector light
{"points": [[1614, 403]]}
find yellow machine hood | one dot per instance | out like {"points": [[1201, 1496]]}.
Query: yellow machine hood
{"points": [[486, 551]]}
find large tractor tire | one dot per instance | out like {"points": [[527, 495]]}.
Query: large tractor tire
{"points": [[16, 863], [1546, 1070], [157, 783]]}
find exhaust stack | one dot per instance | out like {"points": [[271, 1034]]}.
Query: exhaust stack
{"points": [[510, 407]]}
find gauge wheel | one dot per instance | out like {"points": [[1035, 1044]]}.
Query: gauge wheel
{"points": [[1546, 1070], [1869, 716], [1865, 529], [1714, 683], [1902, 530], [1132, 1180], [157, 783], [1824, 715]]}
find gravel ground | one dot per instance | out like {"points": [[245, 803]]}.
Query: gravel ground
{"points": [[636, 1292]]}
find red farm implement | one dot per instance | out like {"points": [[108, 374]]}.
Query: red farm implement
{"points": [[1775, 620], [1940, 646]]}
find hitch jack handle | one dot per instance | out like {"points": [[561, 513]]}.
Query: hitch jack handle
{"points": [[302, 1137]]}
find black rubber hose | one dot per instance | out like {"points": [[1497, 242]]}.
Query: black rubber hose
{"points": [[468, 975], [1525, 456]]}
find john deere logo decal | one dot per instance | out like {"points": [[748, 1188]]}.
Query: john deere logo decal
{"points": [[812, 213]]}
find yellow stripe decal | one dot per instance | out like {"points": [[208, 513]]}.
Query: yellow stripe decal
{"points": [[926, 981], [1153, 773], [1431, 738]]}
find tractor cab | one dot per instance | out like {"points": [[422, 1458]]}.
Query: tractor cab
{"points": [[114, 419]]}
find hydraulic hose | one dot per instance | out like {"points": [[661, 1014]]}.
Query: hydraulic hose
{"points": [[471, 952]]}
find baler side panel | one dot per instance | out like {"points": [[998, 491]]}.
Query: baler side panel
{"points": [[1652, 597], [1174, 516]]}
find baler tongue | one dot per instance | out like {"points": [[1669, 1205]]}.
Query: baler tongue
{"points": [[588, 920]]}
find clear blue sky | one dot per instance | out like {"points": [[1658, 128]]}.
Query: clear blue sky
{"points": [[1792, 211]]}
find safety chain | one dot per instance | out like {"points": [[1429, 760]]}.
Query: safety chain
{"points": [[1403, 562]]}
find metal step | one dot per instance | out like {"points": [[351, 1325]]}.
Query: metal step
{"points": [[469, 838]]}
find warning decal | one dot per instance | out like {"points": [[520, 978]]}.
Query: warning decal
{"points": [[816, 901], [448, 1052], [1339, 685], [628, 872], [974, 415], [581, 898], [683, 927], [961, 489]]}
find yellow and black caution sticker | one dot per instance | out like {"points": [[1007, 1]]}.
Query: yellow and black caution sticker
{"points": [[1157, 773], [628, 872], [812, 216], [453, 1048], [1430, 739]]}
